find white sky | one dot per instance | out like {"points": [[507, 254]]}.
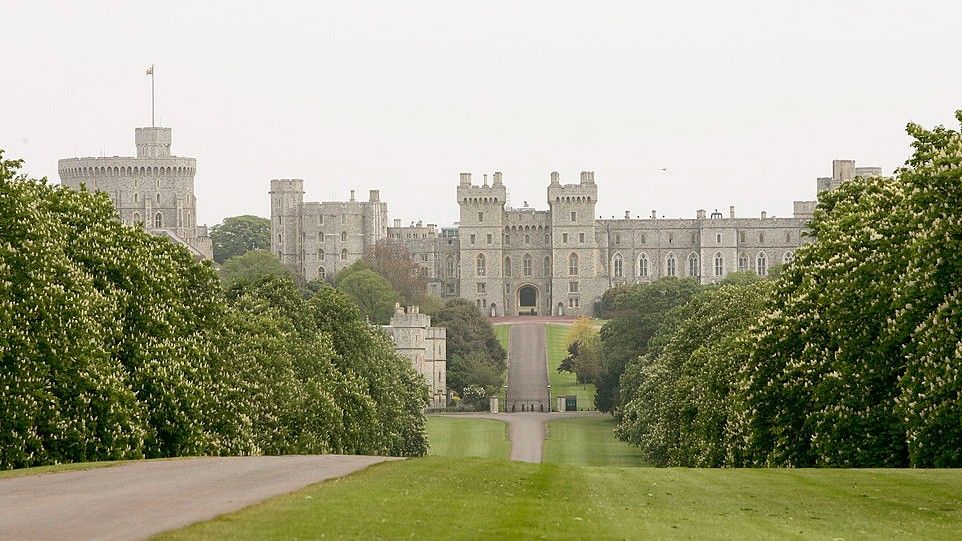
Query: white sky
{"points": [[746, 103]]}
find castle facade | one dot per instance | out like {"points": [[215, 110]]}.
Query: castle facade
{"points": [[559, 261], [425, 346], [154, 190]]}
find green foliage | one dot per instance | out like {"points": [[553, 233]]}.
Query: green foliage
{"points": [[635, 313], [584, 351], [250, 266], [471, 343], [239, 235], [116, 344], [374, 296]]}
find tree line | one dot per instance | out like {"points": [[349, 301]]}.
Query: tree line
{"points": [[850, 357]]}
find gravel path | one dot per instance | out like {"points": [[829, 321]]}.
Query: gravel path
{"points": [[139, 499], [527, 430], [527, 369]]}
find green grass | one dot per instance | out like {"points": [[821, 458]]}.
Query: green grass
{"points": [[588, 441], [564, 383], [463, 436], [452, 498], [58, 468]]}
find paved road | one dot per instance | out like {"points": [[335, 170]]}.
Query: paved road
{"points": [[527, 369], [137, 500], [527, 430]]}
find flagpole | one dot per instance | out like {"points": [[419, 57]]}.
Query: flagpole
{"points": [[152, 124]]}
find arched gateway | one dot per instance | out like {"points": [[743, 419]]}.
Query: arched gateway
{"points": [[527, 300]]}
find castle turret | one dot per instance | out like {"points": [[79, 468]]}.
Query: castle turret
{"points": [[287, 198], [481, 226], [577, 278]]}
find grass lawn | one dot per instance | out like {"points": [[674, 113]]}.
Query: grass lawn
{"points": [[462, 436], [564, 383], [459, 498], [58, 468], [588, 441]]}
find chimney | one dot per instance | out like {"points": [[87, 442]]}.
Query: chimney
{"points": [[397, 222], [654, 214], [764, 215], [374, 196], [485, 180], [465, 179], [352, 195], [627, 214], [700, 214], [555, 177], [497, 178], [731, 212]]}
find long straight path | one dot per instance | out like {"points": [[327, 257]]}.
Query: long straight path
{"points": [[527, 369], [140, 499]]}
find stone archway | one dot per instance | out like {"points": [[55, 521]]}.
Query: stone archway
{"points": [[528, 300]]}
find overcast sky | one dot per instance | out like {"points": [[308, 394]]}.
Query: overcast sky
{"points": [[745, 103]]}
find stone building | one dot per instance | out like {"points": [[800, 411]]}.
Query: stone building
{"points": [[560, 261], [425, 346], [154, 189]]}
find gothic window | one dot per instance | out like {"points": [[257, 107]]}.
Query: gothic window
{"points": [[158, 221], [670, 265], [344, 254], [719, 264], [743, 262], [321, 273], [643, 266], [507, 266], [693, 265], [547, 267], [788, 257], [527, 239], [449, 266], [158, 199], [526, 265], [320, 255], [507, 240], [480, 265], [618, 266], [573, 265], [343, 236], [761, 264]]}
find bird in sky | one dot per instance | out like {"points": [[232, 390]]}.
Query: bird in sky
{"points": [[664, 169]]}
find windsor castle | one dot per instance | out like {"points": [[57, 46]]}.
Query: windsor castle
{"points": [[520, 261]]}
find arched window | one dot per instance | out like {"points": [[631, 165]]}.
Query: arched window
{"points": [[643, 266], [693, 265], [158, 196], [137, 219], [717, 238], [507, 266], [788, 257], [449, 266], [320, 255], [547, 267], [526, 265], [527, 239], [481, 268], [320, 236], [343, 236], [618, 265], [158, 221], [670, 265], [719, 264], [344, 254], [742, 262], [573, 265], [321, 273], [547, 239], [761, 264], [136, 198]]}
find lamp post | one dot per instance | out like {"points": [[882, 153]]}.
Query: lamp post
{"points": [[549, 398]]}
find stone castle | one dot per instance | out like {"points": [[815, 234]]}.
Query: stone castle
{"points": [[154, 189], [520, 261], [425, 346]]}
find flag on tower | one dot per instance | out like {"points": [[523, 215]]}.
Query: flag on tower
{"points": [[150, 70]]}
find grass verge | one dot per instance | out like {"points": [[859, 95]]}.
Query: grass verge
{"points": [[588, 441], [463, 436], [565, 383], [447, 498], [58, 468]]}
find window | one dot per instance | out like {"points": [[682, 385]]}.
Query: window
{"points": [[547, 239], [158, 199], [564, 238], [343, 236], [507, 266], [693, 238], [717, 238], [136, 198], [482, 288], [573, 265], [761, 264], [480, 265], [449, 266], [743, 262], [320, 255], [321, 273], [344, 254], [320, 219], [761, 236], [693, 265], [527, 239], [158, 221], [788, 257], [472, 238], [618, 265], [719, 264], [424, 258], [137, 219], [617, 238], [671, 238], [320, 237], [480, 217], [581, 238], [489, 238], [644, 238], [507, 240], [572, 287], [547, 267], [526, 265], [573, 302], [670, 265], [643, 266], [741, 236], [574, 216], [788, 236]]}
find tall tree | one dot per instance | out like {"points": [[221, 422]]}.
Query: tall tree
{"points": [[252, 265], [238, 235], [470, 343], [374, 296], [395, 263]]}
